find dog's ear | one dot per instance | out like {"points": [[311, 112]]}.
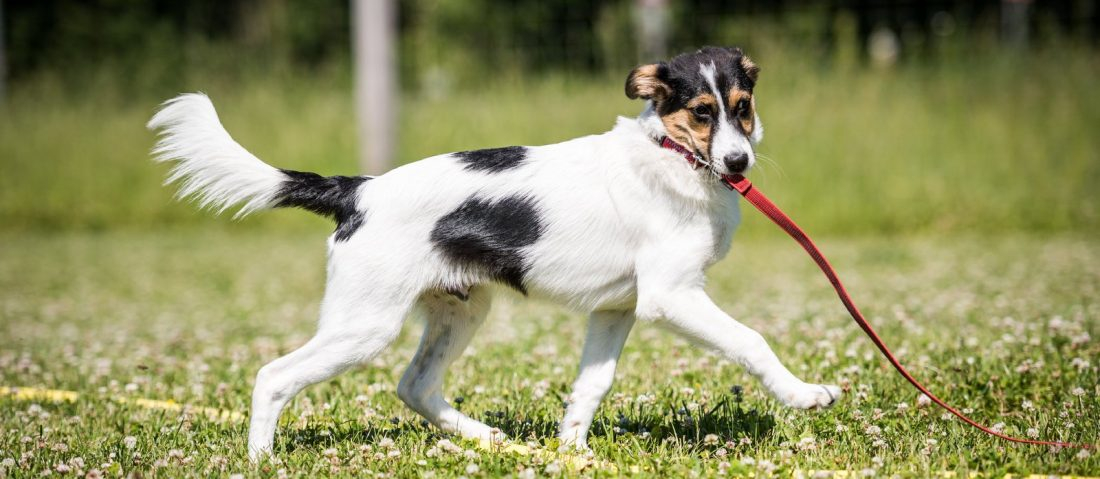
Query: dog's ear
{"points": [[750, 67], [648, 82], [747, 64]]}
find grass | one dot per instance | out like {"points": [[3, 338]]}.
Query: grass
{"points": [[1005, 326], [959, 197], [985, 143]]}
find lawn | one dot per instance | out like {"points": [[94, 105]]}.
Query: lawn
{"points": [[1004, 326], [957, 197]]}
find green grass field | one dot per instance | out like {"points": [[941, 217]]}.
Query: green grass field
{"points": [[959, 199], [987, 143], [1004, 327]]}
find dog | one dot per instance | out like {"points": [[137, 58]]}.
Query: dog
{"points": [[620, 225]]}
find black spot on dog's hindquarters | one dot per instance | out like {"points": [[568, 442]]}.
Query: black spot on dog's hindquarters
{"points": [[332, 196], [490, 235], [493, 160]]}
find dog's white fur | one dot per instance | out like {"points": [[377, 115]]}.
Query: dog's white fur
{"points": [[629, 228]]}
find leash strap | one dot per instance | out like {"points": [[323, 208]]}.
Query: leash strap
{"points": [[762, 203]]}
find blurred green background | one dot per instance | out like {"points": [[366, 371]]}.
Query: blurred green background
{"points": [[881, 117]]}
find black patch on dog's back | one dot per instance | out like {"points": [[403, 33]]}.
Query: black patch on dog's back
{"points": [[493, 160], [332, 196], [490, 234]]}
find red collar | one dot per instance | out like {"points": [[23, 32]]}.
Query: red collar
{"points": [[733, 182], [668, 144]]}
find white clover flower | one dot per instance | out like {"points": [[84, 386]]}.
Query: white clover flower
{"points": [[873, 430], [998, 428], [1084, 454], [448, 446], [923, 400], [472, 469], [1027, 405], [807, 443], [330, 452], [553, 468], [386, 443], [1032, 432], [710, 439], [1080, 339], [1078, 391]]}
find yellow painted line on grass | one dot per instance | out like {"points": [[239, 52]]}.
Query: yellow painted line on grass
{"points": [[56, 395]]}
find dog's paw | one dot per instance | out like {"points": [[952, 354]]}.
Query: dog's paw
{"points": [[572, 443], [811, 396], [257, 454]]}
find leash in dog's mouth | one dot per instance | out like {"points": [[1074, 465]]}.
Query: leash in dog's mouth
{"points": [[743, 186]]}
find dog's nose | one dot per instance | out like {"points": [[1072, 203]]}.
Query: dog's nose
{"points": [[737, 162]]}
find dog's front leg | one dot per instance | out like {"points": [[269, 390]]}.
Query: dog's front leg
{"points": [[691, 313], [607, 332]]}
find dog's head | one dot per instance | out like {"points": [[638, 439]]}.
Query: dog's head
{"points": [[705, 101]]}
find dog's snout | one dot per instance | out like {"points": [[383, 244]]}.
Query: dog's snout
{"points": [[737, 162]]}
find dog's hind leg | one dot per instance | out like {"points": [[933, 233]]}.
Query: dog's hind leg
{"points": [[351, 332], [450, 323], [607, 332]]}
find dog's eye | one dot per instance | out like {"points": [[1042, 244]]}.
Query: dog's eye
{"points": [[744, 110], [701, 112]]}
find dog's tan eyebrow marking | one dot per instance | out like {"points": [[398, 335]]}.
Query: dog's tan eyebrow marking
{"points": [[737, 94], [703, 99]]}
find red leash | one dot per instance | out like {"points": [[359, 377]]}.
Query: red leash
{"points": [[762, 203]]}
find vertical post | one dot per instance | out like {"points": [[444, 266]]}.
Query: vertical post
{"points": [[373, 25], [3, 60], [651, 18], [1014, 19]]}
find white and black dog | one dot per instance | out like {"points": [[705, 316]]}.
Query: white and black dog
{"points": [[613, 225]]}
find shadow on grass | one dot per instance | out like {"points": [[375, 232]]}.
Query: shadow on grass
{"points": [[728, 419]]}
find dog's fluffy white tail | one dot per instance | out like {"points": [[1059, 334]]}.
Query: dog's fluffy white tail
{"points": [[209, 165]]}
